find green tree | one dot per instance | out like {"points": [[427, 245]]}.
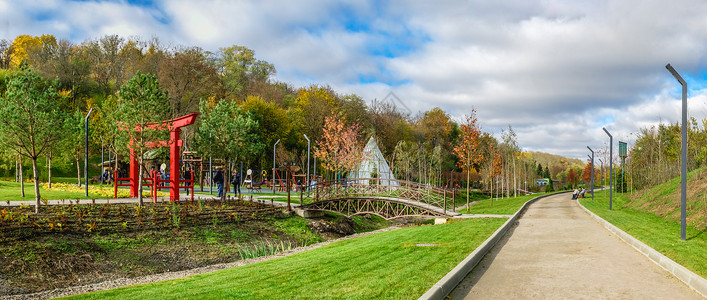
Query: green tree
{"points": [[227, 131], [142, 107], [239, 67], [273, 122], [31, 121]]}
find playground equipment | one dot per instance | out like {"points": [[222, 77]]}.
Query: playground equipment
{"points": [[174, 143]]}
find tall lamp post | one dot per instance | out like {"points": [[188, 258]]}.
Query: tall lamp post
{"points": [[274, 147], [592, 158], [611, 164], [683, 162], [85, 157], [308, 180], [602, 175]]}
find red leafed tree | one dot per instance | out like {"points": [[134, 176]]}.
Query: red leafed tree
{"points": [[587, 174], [339, 149], [468, 150], [572, 176]]}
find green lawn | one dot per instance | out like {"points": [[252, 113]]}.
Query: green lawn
{"points": [[386, 265], [507, 206], [658, 233], [10, 191]]}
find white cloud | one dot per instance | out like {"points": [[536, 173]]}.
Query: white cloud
{"points": [[557, 71]]}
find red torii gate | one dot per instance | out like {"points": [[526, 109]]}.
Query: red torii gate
{"points": [[174, 143]]}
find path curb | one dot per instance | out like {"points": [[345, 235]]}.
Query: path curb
{"points": [[445, 285], [694, 281]]}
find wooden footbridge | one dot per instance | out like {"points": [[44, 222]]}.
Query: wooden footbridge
{"points": [[387, 198]]}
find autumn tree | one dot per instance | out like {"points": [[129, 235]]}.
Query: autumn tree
{"points": [[339, 148], [141, 103], [5, 54], [239, 68], [496, 167], [31, 121], [24, 44], [312, 106], [227, 131], [587, 173], [572, 177], [188, 77], [468, 149], [273, 122], [390, 126]]}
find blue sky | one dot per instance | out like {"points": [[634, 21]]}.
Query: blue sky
{"points": [[556, 71]]}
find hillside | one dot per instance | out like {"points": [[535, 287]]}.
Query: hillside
{"points": [[664, 199], [547, 159]]}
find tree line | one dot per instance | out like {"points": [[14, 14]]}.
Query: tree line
{"points": [[47, 86]]}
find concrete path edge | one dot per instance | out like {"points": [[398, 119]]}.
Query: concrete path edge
{"points": [[445, 285], [694, 281]]}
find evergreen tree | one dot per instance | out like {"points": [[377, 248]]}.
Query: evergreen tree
{"points": [[546, 172], [539, 170]]}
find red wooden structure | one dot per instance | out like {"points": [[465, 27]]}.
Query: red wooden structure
{"points": [[174, 126]]}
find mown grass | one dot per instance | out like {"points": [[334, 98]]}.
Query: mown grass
{"points": [[657, 232], [11, 191], [386, 265], [507, 206]]}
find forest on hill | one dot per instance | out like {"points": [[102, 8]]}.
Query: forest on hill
{"points": [[244, 111]]}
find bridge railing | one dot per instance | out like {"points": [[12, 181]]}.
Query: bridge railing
{"points": [[383, 188]]}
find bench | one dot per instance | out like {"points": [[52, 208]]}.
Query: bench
{"points": [[255, 187]]}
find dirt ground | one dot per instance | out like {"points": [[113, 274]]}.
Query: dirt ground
{"points": [[556, 251], [42, 261]]}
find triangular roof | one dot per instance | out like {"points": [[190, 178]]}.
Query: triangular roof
{"points": [[373, 164]]}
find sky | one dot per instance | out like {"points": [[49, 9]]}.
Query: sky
{"points": [[555, 71]]}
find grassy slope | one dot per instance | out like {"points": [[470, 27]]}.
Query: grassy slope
{"points": [[657, 232], [664, 199], [387, 265]]}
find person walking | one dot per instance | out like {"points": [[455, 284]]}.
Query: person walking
{"points": [[187, 177], [236, 181], [218, 179]]}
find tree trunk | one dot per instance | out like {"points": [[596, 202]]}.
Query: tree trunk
{"points": [[49, 169], [36, 184], [515, 185], [467, 188], [78, 171], [22, 179], [491, 192], [503, 182], [139, 189]]}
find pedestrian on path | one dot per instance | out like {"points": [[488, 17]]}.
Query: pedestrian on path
{"points": [[218, 179], [236, 181]]}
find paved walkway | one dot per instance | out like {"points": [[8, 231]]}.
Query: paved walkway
{"points": [[557, 251]]}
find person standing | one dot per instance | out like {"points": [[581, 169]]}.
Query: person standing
{"points": [[163, 173], [236, 181], [218, 179], [187, 177]]}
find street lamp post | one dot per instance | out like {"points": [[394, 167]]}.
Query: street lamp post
{"points": [[683, 163], [85, 158], [274, 147], [308, 180], [590, 149], [611, 164]]}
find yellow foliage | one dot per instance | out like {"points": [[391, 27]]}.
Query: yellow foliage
{"points": [[305, 96], [23, 44], [64, 93], [102, 191]]}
